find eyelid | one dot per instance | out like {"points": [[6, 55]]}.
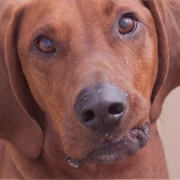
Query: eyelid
{"points": [[41, 31], [130, 14], [38, 37]]}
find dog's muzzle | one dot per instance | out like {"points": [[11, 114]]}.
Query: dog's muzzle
{"points": [[101, 108]]}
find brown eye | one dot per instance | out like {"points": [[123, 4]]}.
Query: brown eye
{"points": [[127, 25], [45, 45]]}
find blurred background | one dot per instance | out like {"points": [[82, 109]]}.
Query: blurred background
{"points": [[169, 128]]}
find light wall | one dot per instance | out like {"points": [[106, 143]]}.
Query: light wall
{"points": [[169, 128]]}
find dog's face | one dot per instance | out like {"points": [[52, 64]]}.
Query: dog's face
{"points": [[91, 66]]}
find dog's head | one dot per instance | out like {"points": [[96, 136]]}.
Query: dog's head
{"points": [[93, 67]]}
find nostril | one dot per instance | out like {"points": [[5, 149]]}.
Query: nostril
{"points": [[100, 111], [88, 116], [116, 109]]}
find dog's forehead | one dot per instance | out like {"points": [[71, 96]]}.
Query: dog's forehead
{"points": [[60, 12], [82, 6]]}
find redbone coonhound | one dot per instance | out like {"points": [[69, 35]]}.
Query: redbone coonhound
{"points": [[82, 85]]}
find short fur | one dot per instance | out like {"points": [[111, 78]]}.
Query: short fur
{"points": [[38, 126]]}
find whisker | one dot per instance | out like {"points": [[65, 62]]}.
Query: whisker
{"points": [[163, 122]]}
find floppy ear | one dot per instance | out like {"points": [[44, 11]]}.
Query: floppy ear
{"points": [[163, 59], [18, 109]]}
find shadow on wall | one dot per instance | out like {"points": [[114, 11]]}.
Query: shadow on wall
{"points": [[169, 128]]}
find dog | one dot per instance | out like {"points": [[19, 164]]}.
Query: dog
{"points": [[82, 85]]}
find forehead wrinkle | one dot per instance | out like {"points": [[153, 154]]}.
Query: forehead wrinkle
{"points": [[115, 6], [50, 19], [48, 29], [109, 7], [57, 10]]}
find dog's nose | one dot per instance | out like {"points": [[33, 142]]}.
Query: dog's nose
{"points": [[101, 107]]}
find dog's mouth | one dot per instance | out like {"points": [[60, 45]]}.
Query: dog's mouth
{"points": [[111, 151]]}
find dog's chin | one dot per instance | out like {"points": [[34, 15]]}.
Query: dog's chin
{"points": [[111, 151]]}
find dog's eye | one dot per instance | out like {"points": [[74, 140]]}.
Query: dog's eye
{"points": [[45, 45], [127, 25]]}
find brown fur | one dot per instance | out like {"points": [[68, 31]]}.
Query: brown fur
{"points": [[37, 122]]}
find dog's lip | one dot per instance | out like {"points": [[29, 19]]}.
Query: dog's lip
{"points": [[111, 151]]}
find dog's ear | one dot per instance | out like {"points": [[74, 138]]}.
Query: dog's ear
{"points": [[19, 113], [163, 58]]}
